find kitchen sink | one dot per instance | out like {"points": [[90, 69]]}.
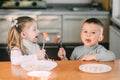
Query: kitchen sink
{"points": [[51, 8], [72, 7], [83, 9]]}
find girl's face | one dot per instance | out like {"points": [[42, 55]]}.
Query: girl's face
{"points": [[91, 34], [30, 32]]}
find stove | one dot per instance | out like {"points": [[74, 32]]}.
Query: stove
{"points": [[23, 4]]}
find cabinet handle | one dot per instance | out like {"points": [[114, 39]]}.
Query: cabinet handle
{"points": [[73, 19], [50, 32], [48, 19], [51, 46], [2, 19]]}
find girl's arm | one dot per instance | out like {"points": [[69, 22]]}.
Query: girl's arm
{"points": [[17, 58]]}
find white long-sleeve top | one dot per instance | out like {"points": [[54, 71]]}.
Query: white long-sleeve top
{"points": [[16, 56]]}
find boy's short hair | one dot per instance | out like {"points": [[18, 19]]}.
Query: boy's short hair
{"points": [[95, 21]]}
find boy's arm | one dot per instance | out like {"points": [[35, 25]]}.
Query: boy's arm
{"points": [[62, 54], [89, 57], [105, 55]]}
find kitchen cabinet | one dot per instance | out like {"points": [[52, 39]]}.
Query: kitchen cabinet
{"points": [[115, 40], [4, 28], [50, 24], [67, 26], [58, 23], [72, 26]]}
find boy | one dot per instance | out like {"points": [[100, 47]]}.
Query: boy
{"points": [[91, 35]]}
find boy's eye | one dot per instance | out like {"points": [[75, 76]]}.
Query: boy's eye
{"points": [[93, 32], [85, 31]]}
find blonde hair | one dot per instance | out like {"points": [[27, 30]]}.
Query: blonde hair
{"points": [[14, 38]]}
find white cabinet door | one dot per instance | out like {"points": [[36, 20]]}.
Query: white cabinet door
{"points": [[5, 26], [115, 41], [50, 24], [71, 28]]}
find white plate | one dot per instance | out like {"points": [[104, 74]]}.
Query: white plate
{"points": [[39, 65], [95, 68]]}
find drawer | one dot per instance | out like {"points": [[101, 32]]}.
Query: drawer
{"points": [[49, 22]]}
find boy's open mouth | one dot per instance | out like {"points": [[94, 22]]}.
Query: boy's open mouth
{"points": [[88, 40]]}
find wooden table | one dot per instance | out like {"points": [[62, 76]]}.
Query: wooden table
{"points": [[65, 70]]}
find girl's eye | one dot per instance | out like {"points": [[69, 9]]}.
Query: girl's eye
{"points": [[34, 29]]}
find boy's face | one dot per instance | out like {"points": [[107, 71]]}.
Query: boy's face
{"points": [[91, 34], [30, 32]]}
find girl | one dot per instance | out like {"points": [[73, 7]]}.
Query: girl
{"points": [[22, 41]]}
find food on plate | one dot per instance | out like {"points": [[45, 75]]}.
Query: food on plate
{"points": [[95, 68]]}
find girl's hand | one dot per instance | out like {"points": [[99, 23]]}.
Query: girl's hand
{"points": [[61, 53], [89, 57], [41, 54]]}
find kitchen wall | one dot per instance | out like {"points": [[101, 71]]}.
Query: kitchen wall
{"points": [[105, 3]]}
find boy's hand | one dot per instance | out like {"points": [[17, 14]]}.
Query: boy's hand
{"points": [[61, 53], [89, 57]]}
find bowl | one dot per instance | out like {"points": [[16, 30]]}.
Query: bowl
{"points": [[39, 75]]}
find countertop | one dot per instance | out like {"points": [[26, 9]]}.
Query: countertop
{"points": [[58, 11]]}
